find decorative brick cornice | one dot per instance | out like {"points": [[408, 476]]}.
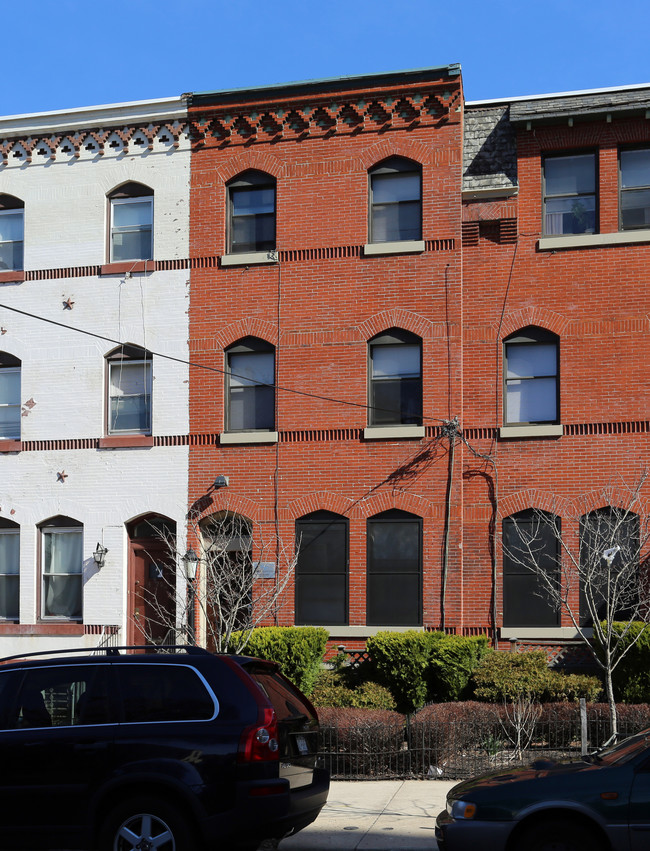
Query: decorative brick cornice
{"points": [[424, 105], [95, 142]]}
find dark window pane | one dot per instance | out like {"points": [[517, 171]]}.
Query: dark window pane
{"points": [[321, 599], [11, 255], [322, 571], [393, 600], [570, 194], [252, 219], [394, 572], [64, 697], [9, 588], [163, 693], [526, 600], [635, 208], [62, 596], [635, 168]]}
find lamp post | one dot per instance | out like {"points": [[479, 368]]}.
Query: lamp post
{"points": [[191, 561]]}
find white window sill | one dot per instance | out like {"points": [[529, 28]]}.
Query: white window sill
{"points": [[593, 240], [408, 246], [248, 437], [540, 632], [393, 432], [531, 431], [365, 631], [252, 258]]}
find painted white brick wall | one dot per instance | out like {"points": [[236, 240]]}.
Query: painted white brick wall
{"points": [[63, 376]]}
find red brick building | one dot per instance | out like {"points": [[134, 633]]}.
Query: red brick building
{"points": [[410, 319]]}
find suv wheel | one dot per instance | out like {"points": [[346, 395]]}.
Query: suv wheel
{"points": [[146, 824]]}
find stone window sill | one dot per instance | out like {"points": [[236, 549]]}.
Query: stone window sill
{"points": [[593, 240], [524, 431], [526, 633], [393, 432], [126, 441], [365, 631], [238, 437], [252, 258], [408, 246], [45, 628]]}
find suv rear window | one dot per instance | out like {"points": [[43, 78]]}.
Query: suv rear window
{"points": [[285, 699], [164, 693]]}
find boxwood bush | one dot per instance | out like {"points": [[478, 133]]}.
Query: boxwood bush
{"points": [[298, 650]]}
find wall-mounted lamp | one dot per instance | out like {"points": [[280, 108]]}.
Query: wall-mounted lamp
{"points": [[100, 555], [221, 482], [190, 560]]}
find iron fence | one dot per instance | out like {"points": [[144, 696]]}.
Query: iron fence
{"points": [[430, 747]]}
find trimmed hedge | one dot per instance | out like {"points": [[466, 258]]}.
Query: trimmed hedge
{"points": [[422, 666], [332, 690], [362, 742], [506, 676], [298, 650], [440, 731]]}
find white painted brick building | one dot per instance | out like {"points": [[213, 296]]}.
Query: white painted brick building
{"points": [[86, 438]]}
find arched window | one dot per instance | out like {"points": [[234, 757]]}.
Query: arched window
{"points": [[250, 386], [9, 397], [531, 377], [12, 216], [395, 379], [609, 564], [531, 553], [251, 213], [9, 569], [394, 569], [322, 569], [395, 201], [129, 390], [131, 208], [61, 568]]}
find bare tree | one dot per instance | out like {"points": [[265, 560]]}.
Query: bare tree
{"points": [[597, 577], [229, 581]]}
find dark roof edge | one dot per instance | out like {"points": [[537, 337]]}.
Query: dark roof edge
{"points": [[317, 86], [478, 104]]}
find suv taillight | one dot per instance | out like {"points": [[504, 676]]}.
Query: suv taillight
{"points": [[260, 742]]}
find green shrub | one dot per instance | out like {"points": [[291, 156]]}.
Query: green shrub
{"points": [[298, 650], [454, 659], [419, 667], [401, 660], [631, 676], [332, 690], [505, 676]]}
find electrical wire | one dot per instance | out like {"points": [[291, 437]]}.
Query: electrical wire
{"points": [[305, 393]]}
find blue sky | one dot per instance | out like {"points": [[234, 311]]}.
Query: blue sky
{"points": [[68, 53]]}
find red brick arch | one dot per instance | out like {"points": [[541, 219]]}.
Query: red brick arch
{"points": [[386, 148], [542, 317], [247, 328], [396, 318], [319, 501], [251, 159]]}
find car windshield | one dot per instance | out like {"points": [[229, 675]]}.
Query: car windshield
{"points": [[624, 751]]}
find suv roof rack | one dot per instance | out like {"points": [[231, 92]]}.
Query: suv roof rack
{"points": [[111, 650]]}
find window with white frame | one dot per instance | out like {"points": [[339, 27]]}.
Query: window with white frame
{"points": [[395, 201], [251, 213], [129, 391], [10, 411], [131, 208], [634, 188], [395, 379], [531, 377], [12, 215], [9, 569], [570, 197], [250, 386], [61, 568]]}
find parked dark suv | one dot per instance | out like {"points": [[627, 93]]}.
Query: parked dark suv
{"points": [[168, 750]]}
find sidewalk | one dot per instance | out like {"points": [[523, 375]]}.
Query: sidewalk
{"points": [[379, 815]]}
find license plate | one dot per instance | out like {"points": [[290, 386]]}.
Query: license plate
{"points": [[302, 744]]}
